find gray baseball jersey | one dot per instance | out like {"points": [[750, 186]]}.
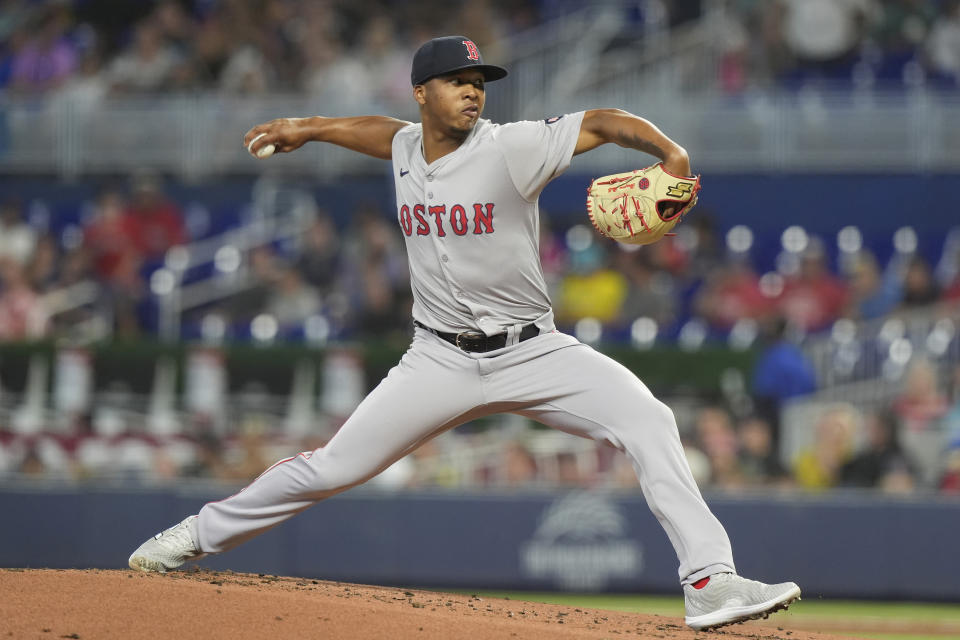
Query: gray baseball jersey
{"points": [[471, 223], [471, 228]]}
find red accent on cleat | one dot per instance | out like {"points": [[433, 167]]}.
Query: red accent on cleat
{"points": [[701, 583]]}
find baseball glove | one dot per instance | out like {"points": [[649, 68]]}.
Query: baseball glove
{"points": [[641, 206]]}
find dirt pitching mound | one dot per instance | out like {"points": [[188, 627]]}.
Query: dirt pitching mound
{"points": [[94, 604]]}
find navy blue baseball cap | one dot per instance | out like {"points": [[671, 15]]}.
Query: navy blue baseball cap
{"points": [[448, 54]]}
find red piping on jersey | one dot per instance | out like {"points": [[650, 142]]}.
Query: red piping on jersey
{"points": [[306, 456]]}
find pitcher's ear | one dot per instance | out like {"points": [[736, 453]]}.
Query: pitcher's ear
{"points": [[419, 93]]}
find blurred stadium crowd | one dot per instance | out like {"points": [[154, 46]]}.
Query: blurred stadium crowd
{"points": [[344, 278], [355, 279], [354, 274], [97, 47], [239, 47], [886, 450]]}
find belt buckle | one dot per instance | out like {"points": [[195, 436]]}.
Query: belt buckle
{"points": [[469, 335]]}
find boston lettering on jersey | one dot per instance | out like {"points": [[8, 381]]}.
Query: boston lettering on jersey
{"points": [[439, 219]]}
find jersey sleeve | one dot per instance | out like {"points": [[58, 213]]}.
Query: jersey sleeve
{"points": [[400, 146], [536, 152]]}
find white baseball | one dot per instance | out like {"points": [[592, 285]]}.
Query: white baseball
{"points": [[265, 152]]}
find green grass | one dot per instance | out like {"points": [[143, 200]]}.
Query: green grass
{"points": [[832, 614]]}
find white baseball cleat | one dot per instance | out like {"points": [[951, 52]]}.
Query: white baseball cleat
{"points": [[166, 550], [726, 598]]}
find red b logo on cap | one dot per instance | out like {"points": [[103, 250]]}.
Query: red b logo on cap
{"points": [[472, 52]]}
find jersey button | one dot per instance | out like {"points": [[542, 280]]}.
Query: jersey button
{"points": [[429, 177], [430, 194], [444, 257]]}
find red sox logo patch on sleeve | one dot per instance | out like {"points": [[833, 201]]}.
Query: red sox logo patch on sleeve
{"points": [[472, 52]]}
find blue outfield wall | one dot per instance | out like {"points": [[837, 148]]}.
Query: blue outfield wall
{"points": [[848, 545]]}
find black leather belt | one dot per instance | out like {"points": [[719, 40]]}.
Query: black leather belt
{"points": [[477, 341]]}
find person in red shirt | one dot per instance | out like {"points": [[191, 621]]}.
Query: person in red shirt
{"points": [[730, 293], [814, 298], [22, 313], [109, 239], [154, 221], [921, 403]]}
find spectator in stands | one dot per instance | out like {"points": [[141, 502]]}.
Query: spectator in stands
{"points": [[85, 90], [42, 270], [759, 462], [109, 239], [209, 463], [814, 298], [73, 266], [485, 25], [872, 294], [319, 259], [375, 278], [329, 69], [824, 35], [22, 312], [921, 404], [48, 58], [718, 440], [590, 288], [731, 292], [263, 272], [881, 462], [652, 293], [32, 464], [703, 255], [568, 469], [919, 286], [247, 72], [210, 51], [17, 238], [818, 466], [431, 469], [733, 73], [52, 269], [292, 300], [519, 468], [146, 65], [943, 45], [384, 62], [782, 370], [175, 25], [154, 220], [251, 454]]}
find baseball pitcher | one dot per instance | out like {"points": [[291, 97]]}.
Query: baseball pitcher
{"points": [[484, 338]]}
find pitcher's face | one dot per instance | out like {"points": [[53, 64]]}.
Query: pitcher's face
{"points": [[453, 101]]}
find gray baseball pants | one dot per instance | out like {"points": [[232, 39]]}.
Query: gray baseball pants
{"points": [[552, 378]]}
